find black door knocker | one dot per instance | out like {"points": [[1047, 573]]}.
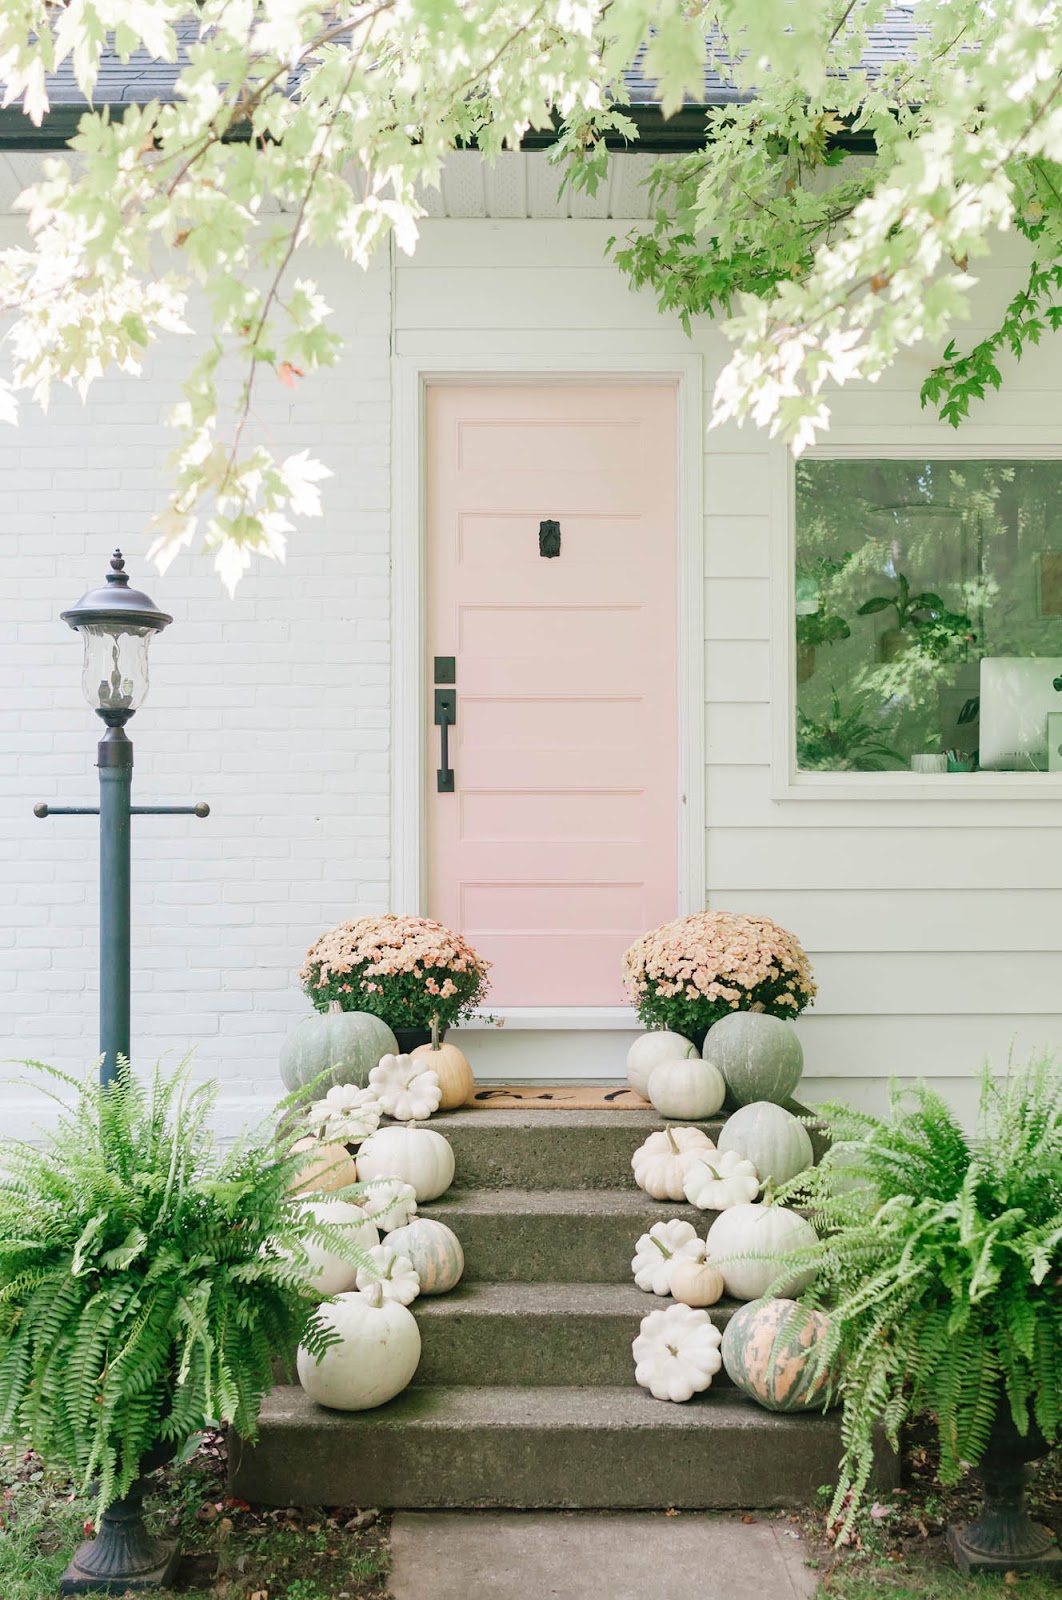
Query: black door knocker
{"points": [[549, 538]]}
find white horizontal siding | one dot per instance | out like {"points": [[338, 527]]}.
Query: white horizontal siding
{"points": [[935, 926]]}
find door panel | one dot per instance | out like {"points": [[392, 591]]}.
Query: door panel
{"points": [[558, 845]]}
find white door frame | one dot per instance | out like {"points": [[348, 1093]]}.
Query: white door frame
{"points": [[409, 679]]}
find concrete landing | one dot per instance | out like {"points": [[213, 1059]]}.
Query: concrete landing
{"points": [[571, 1555]]}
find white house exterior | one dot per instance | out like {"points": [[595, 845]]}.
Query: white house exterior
{"points": [[931, 906]]}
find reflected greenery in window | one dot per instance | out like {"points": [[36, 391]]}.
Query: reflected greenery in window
{"points": [[929, 615]]}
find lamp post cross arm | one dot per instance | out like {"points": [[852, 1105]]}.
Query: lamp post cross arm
{"points": [[200, 809]]}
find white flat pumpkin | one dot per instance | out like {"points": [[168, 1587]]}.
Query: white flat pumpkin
{"points": [[651, 1048], [394, 1273], [676, 1352], [407, 1090], [659, 1164], [749, 1244], [657, 1251], [389, 1202], [346, 1115], [771, 1138], [718, 1181]]}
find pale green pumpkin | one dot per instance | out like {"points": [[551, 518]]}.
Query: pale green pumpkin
{"points": [[759, 1056], [346, 1044], [774, 1141], [435, 1251]]}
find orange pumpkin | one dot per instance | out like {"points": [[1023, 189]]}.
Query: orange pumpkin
{"points": [[451, 1067], [327, 1167]]}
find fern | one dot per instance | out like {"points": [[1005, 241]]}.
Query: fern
{"points": [[148, 1282], [940, 1265]]}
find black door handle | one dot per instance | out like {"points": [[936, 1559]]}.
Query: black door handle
{"points": [[445, 718]]}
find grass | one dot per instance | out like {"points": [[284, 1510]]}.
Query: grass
{"points": [[898, 1550], [230, 1552]]}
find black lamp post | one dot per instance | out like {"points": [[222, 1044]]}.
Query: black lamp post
{"points": [[117, 624]]}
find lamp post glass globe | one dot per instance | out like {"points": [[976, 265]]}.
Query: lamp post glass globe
{"points": [[117, 624]]}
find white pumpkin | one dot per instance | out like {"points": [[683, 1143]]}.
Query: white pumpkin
{"points": [[659, 1164], [378, 1352], [696, 1283], [686, 1087], [749, 1244], [407, 1090], [435, 1252], [328, 1272], [676, 1352], [389, 1202], [393, 1272], [418, 1156], [648, 1050], [771, 1138], [346, 1115], [718, 1181], [657, 1251]]}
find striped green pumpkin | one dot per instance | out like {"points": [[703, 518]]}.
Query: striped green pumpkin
{"points": [[767, 1354], [435, 1251]]}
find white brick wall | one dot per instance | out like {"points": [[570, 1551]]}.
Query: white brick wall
{"points": [[272, 706]]}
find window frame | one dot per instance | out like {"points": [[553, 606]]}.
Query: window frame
{"points": [[787, 782]]}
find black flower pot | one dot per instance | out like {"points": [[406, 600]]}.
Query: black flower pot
{"points": [[411, 1038], [1004, 1538]]}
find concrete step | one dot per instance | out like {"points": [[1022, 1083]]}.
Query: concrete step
{"points": [[544, 1334], [553, 1235], [538, 1447], [541, 1149]]}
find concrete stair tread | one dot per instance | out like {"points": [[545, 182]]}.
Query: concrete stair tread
{"points": [[550, 1300], [542, 1408], [632, 1204], [645, 1122]]}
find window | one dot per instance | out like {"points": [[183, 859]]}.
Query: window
{"points": [[929, 615]]}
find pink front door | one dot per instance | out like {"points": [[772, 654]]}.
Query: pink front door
{"points": [[557, 845]]}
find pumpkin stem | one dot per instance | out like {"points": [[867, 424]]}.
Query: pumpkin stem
{"points": [[374, 1294], [671, 1141], [334, 1008], [664, 1251], [435, 1031]]}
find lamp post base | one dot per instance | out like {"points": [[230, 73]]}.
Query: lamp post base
{"points": [[123, 1556]]}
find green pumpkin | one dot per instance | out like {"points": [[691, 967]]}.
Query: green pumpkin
{"points": [[347, 1044], [435, 1251], [767, 1353], [772, 1139], [759, 1056]]}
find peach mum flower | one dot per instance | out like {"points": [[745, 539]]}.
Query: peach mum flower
{"points": [[694, 970]]}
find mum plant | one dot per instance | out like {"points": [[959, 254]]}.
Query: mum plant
{"points": [[406, 970], [689, 973], [148, 1282], [939, 1265]]}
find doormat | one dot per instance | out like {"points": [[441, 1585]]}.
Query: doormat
{"points": [[568, 1097]]}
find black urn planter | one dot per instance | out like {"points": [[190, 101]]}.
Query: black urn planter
{"points": [[412, 1038], [1005, 1538], [124, 1556]]}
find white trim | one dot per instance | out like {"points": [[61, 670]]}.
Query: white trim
{"points": [[563, 1019], [411, 375], [786, 782]]}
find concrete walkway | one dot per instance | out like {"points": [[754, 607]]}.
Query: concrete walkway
{"points": [[571, 1555]]}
